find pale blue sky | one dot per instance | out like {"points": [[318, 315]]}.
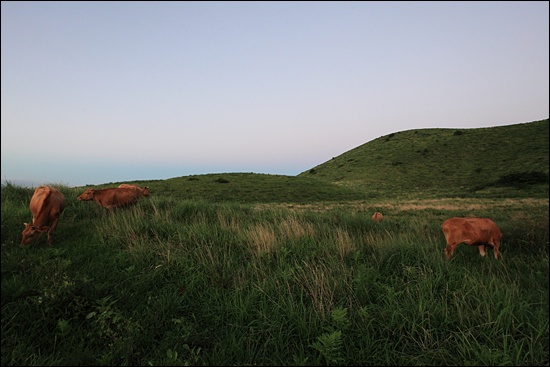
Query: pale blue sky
{"points": [[98, 92]]}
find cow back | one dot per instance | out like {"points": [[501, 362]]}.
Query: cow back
{"points": [[477, 230], [47, 204], [111, 198], [142, 191]]}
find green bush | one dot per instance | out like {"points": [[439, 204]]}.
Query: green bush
{"points": [[522, 179]]}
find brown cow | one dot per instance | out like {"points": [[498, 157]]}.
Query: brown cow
{"points": [[111, 198], [480, 232], [143, 191], [47, 204], [377, 217]]}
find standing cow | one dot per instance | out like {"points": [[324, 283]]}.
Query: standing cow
{"points": [[111, 198], [142, 191], [480, 232], [47, 205]]}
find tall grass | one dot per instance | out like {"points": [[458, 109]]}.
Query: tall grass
{"points": [[193, 282]]}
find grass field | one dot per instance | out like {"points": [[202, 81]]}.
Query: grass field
{"points": [[196, 282]]}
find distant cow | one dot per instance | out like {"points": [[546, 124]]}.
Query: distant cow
{"points": [[480, 232], [377, 217], [111, 198], [47, 205], [144, 191]]}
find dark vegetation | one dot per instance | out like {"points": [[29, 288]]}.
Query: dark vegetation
{"points": [[522, 179], [253, 269]]}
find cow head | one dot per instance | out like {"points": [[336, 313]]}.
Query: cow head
{"points": [[145, 191], [32, 232], [86, 195]]}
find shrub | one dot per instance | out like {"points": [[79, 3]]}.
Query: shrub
{"points": [[522, 179]]}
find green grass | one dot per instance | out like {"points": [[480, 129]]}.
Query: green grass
{"points": [[250, 269], [177, 282]]}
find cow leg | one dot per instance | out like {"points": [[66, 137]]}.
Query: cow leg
{"points": [[49, 242], [481, 249], [50, 231], [495, 250]]}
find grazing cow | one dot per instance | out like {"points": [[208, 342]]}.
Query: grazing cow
{"points": [[480, 232], [143, 191], [111, 198], [377, 217], [47, 204]]}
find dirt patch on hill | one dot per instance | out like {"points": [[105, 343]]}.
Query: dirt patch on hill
{"points": [[416, 204], [464, 204]]}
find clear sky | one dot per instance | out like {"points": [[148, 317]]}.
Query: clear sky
{"points": [[98, 92]]}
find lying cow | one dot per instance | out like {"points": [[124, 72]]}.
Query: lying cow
{"points": [[480, 232], [377, 217], [143, 191], [111, 198], [47, 205]]}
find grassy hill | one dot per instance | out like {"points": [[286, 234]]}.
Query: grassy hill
{"points": [[482, 161], [250, 187], [504, 161]]}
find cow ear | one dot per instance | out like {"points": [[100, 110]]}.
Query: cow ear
{"points": [[42, 229]]}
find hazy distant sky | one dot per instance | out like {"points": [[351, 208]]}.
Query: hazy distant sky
{"points": [[98, 92]]}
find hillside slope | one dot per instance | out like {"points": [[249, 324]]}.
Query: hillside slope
{"points": [[454, 161]]}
